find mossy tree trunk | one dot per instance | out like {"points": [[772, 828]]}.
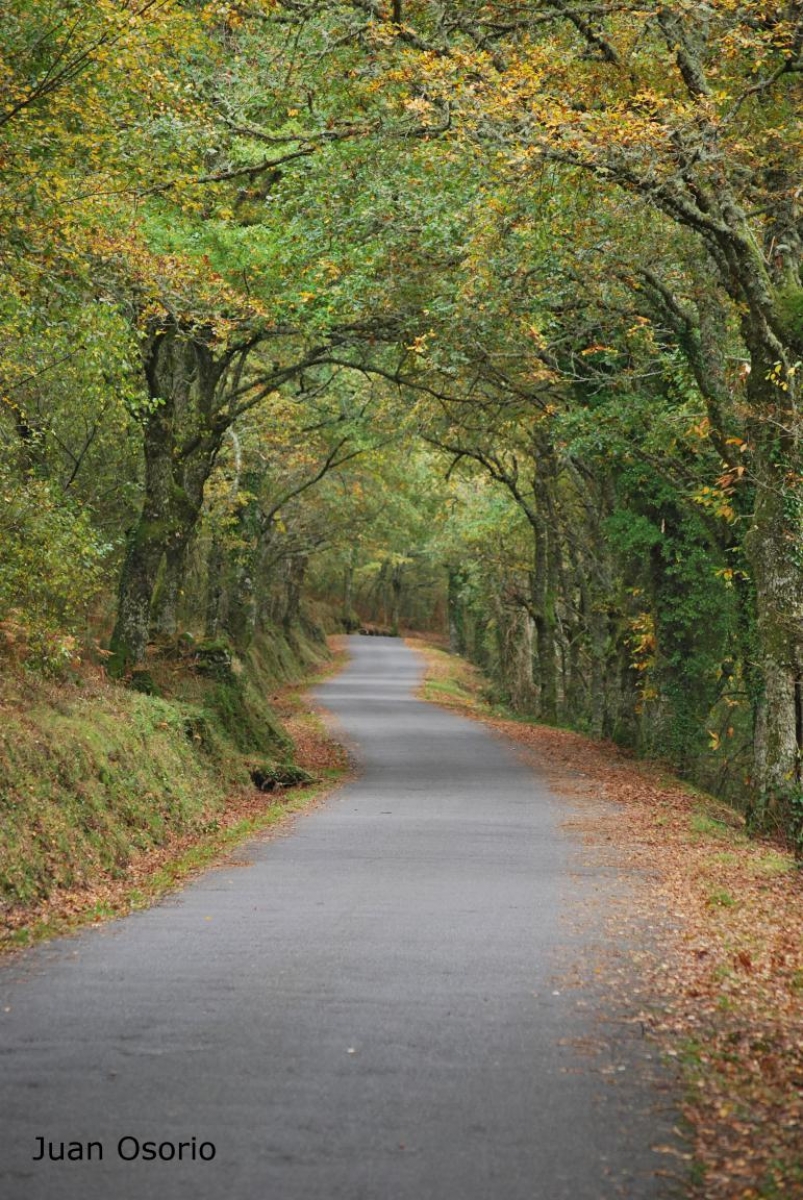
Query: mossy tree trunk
{"points": [[543, 606], [514, 631], [214, 610], [168, 598], [774, 543], [774, 547], [182, 435]]}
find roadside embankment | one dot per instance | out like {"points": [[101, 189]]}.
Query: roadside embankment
{"points": [[110, 796]]}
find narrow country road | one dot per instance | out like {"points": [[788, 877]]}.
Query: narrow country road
{"points": [[370, 1009]]}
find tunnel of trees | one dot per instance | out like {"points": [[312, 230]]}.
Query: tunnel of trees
{"points": [[482, 318]]}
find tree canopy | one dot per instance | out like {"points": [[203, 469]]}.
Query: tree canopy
{"points": [[481, 317]]}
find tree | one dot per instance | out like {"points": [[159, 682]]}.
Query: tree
{"points": [[690, 113]]}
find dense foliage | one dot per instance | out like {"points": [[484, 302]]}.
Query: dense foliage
{"points": [[483, 317]]}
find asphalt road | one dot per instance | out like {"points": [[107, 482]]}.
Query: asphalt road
{"points": [[371, 1009]]}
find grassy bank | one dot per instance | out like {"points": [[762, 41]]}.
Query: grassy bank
{"points": [[719, 984], [108, 796]]}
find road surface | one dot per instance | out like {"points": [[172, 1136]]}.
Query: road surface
{"points": [[370, 1009]]}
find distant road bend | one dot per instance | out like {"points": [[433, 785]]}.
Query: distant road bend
{"points": [[370, 1010]]}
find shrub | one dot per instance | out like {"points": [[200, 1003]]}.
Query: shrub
{"points": [[51, 570]]}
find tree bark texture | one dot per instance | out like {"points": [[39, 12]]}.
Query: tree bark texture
{"points": [[775, 554], [181, 441]]}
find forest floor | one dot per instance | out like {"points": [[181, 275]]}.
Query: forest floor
{"points": [[721, 976], [247, 812]]}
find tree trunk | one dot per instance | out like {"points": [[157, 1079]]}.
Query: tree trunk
{"points": [[296, 570], [350, 619], [140, 567], [543, 616], [146, 545], [396, 583], [181, 443], [773, 547], [596, 618], [213, 613], [165, 622], [457, 633], [515, 641]]}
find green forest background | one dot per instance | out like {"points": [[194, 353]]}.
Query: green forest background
{"points": [[478, 318]]}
